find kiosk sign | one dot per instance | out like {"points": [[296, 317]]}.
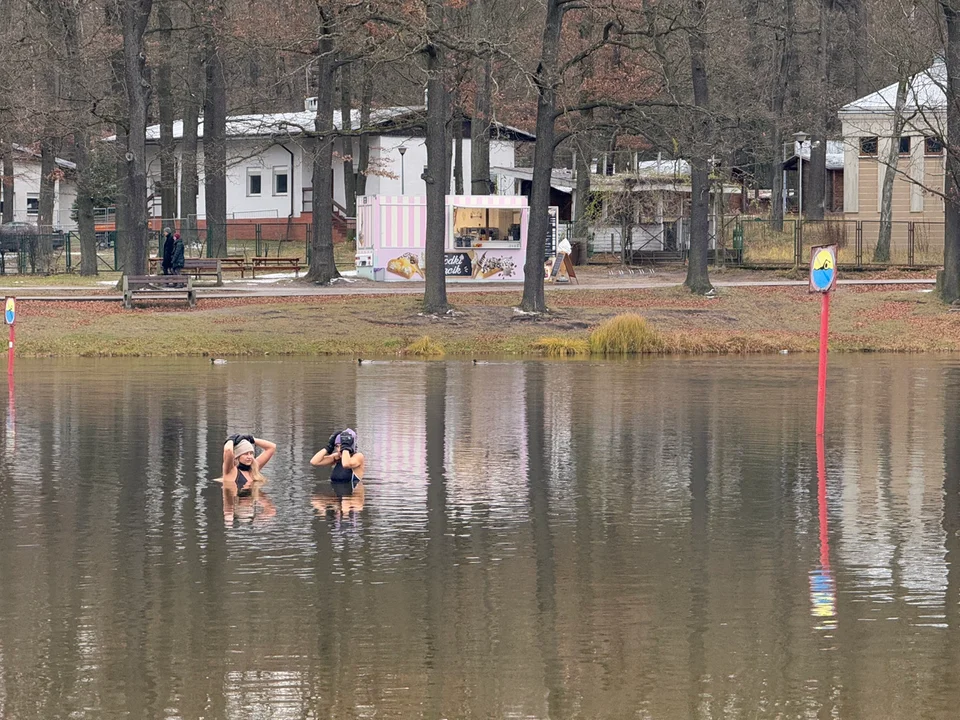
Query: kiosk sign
{"points": [[823, 268]]}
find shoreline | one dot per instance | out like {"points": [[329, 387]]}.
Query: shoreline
{"points": [[745, 317]]}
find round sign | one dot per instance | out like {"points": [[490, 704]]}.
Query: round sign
{"points": [[823, 269], [10, 313]]}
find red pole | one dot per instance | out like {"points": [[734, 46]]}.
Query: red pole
{"points": [[822, 504], [10, 351], [822, 374]]}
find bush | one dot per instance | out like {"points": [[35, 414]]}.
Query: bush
{"points": [[424, 347], [562, 347], [626, 334]]}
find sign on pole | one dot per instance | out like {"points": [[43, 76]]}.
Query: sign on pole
{"points": [[823, 278], [823, 268], [10, 312]]}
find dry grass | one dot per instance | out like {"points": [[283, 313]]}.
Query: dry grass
{"points": [[738, 320], [626, 334], [425, 347], [560, 347]]}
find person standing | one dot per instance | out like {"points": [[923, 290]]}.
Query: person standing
{"points": [[177, 261], [168, 242]]}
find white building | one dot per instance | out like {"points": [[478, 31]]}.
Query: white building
{"points": [[269, 169], [26, 189]]}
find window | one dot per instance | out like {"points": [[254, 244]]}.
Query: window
{"points": [[868, 145], [254, 183], [33, 204], [280, 181], [905, 145], [933, 146]]}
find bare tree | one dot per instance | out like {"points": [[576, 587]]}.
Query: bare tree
{"points": [[948, 282], [323, 267], [134, 16], [215, 132], [698, 279], [882, 251], [167, 112], [437, 174], [546, 79]]}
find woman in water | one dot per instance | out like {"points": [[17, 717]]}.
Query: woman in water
{"points": [[341, 452], [242, 479], [241, 468]]}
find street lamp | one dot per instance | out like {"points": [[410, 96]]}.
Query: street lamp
{"points": [[402, 151], [800, 138]]}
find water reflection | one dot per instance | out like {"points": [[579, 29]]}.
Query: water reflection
{"points": [[653, 539]]}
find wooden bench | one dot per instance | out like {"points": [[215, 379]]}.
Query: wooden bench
{"points": [[275, 263], [212, 267], [158, 286]]}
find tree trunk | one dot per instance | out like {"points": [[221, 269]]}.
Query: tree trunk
{"points": [[189, 177], [85, 221], [881, 253], [323, 268], [480, 183], [48, 186], [348, 142], [783, 62], [437, 176], [698, 279], [366, 101], [457, 130], [546, 79], [948, 283], [168, 165], [581, 220], [80, 121], [815, 191], [7, 180], [215, 145], [134, 16]]}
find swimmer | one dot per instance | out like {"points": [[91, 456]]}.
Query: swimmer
{"points": [[241, 468], [242, 480], [341, 453]]}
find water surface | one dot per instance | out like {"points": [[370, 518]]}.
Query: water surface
{"points": [[642, 539]]}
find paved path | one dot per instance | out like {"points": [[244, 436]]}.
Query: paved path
{"points": [[240, 289]]}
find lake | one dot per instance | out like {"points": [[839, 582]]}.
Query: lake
{"points": [[649, 538]]}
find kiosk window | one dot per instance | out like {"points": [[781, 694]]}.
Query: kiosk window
{"points": [[492, 227]]}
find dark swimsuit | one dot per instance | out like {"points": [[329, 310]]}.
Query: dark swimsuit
{"points": [[343, 476], [241, 482]]}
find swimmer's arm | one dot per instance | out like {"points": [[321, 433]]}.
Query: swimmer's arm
{"points": [[229, 500], [322, 459], [227, 458], [268, 448], [351, 461]]}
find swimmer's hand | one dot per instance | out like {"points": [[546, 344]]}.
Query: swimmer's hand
{"points": [[332, 443]]}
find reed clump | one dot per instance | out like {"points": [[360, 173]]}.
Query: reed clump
{"points": [[626, 334], [425, 347], [561, 347]]}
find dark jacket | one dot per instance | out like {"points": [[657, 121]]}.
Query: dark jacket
{"points": [[177, 261], [168, 243]]}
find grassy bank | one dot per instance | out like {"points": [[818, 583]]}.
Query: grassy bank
{"points": [[738, 320]]}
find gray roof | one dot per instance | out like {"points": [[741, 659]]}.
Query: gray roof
{"points": [[296, 123], [925, 91]]}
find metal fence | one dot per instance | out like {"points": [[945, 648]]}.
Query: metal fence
{"points": [[912, 244], [26, 254]]}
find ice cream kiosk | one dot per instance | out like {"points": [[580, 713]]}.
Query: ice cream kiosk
{"points": [[485, 238]]}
